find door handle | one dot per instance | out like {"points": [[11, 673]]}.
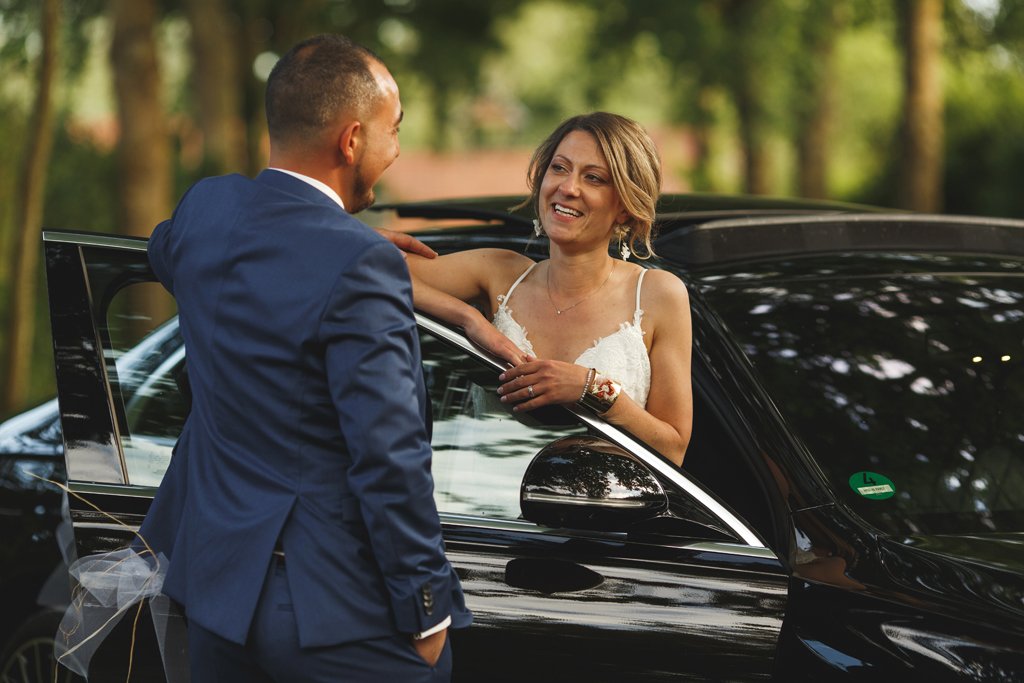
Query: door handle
{"points": [[550, 576]]}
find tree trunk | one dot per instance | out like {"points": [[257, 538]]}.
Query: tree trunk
{"points": [[747, 90], [701, 178], [144, 151], [219, 85], [253, 42], [29, 219], [756, 173], [817, 110], [813, 147], [144, 148], [920, 171], [290, 23], [441, 106]]}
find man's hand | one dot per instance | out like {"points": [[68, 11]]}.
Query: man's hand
{"points": [[407, 243], [430, 648], [486, 336]]}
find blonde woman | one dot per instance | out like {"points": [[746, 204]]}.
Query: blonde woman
{"points": [[581, 326]]}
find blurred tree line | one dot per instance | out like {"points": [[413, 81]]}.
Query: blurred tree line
{"points": [[109, 109]]}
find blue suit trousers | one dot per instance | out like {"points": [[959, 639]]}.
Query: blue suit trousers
{"points": [[272, 653]]}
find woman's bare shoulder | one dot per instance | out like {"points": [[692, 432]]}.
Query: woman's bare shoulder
{"points": [[663, 288], [663, 298]]}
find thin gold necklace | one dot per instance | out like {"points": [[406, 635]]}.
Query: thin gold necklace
{"points": [[560, 311]]}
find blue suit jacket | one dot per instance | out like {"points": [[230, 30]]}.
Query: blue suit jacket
{"points": [[307, 419]]}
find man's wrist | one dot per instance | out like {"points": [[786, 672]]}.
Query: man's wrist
{"points": [[445, 623]]}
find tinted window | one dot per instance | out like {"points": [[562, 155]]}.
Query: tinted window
{"points": [[152, 409], [906, 386], [481, 450]]}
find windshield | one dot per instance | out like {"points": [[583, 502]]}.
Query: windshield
{"points": [[903, 376]]}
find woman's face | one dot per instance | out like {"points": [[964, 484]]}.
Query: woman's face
{"points": [[578, 202]]}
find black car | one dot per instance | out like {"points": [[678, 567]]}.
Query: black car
{"points": [[851, 504]]}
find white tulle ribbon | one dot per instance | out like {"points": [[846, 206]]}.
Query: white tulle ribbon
{"points": [[108, 586]]}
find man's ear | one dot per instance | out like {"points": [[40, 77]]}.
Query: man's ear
{"points": [[350, 142]]}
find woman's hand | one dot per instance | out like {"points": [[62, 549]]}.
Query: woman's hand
{"points": [[539, 383], [485, 335]]}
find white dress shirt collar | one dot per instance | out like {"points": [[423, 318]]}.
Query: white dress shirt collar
{"points": [[320, 185]]}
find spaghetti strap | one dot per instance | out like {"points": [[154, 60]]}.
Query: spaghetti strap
{"points": [[503, 298], [638, 312]]}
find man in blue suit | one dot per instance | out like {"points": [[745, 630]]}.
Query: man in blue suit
{"points": [[298, 511]]}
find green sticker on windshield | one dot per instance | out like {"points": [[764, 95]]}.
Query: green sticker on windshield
{"points": [[872, 485]]}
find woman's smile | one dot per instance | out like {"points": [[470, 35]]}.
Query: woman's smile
{"points": [[578, 191]]}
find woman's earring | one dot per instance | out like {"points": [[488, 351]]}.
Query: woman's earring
{"points": [[624, 251], [538, 229]]}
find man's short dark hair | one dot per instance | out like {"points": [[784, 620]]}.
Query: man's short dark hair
{"points": [[314, 82]]}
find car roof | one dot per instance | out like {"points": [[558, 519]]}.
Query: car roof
{"points": [[496, 213], [696, 230], [729, 241]]}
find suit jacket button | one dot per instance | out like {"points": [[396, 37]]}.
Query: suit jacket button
{"points": [[428, 600]]}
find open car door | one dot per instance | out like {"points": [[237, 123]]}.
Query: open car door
{"points": [[117, 354]]}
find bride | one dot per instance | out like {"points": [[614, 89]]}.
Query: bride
{"points": [[581, 326]]}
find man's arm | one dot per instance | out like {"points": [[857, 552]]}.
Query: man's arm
{"points": [[373, 367], [156, 251]]}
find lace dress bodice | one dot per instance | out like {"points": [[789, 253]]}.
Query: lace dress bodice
{"points": [[620, 355]]}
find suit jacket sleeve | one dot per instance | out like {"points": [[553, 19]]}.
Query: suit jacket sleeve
{"points": [[373, 367], [163, 239], [156, 250]]}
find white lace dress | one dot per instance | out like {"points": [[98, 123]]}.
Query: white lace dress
{"points": [[620, 355]]}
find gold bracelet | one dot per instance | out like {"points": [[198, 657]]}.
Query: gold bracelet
{"points": [[602, 394], [586, 383]]}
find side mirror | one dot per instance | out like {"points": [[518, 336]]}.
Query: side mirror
{"points": [[585, 482]]}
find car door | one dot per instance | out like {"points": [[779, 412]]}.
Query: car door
{"points": [[699, 597], [115, 344], [702, 600]]}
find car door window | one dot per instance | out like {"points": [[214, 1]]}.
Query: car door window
{"points": [[148, 359], [481, 448]]}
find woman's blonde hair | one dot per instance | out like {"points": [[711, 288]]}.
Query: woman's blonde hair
{"points": [[632, 159]]}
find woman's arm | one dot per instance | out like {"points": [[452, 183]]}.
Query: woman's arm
{"points": [[667, 421], [443, 286]]}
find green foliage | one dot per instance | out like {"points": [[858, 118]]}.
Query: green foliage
{"points": [[1008, 25], [985, 136], [81, 191], [504, 72], [541, 75], [441, 43], [867, 114]]}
